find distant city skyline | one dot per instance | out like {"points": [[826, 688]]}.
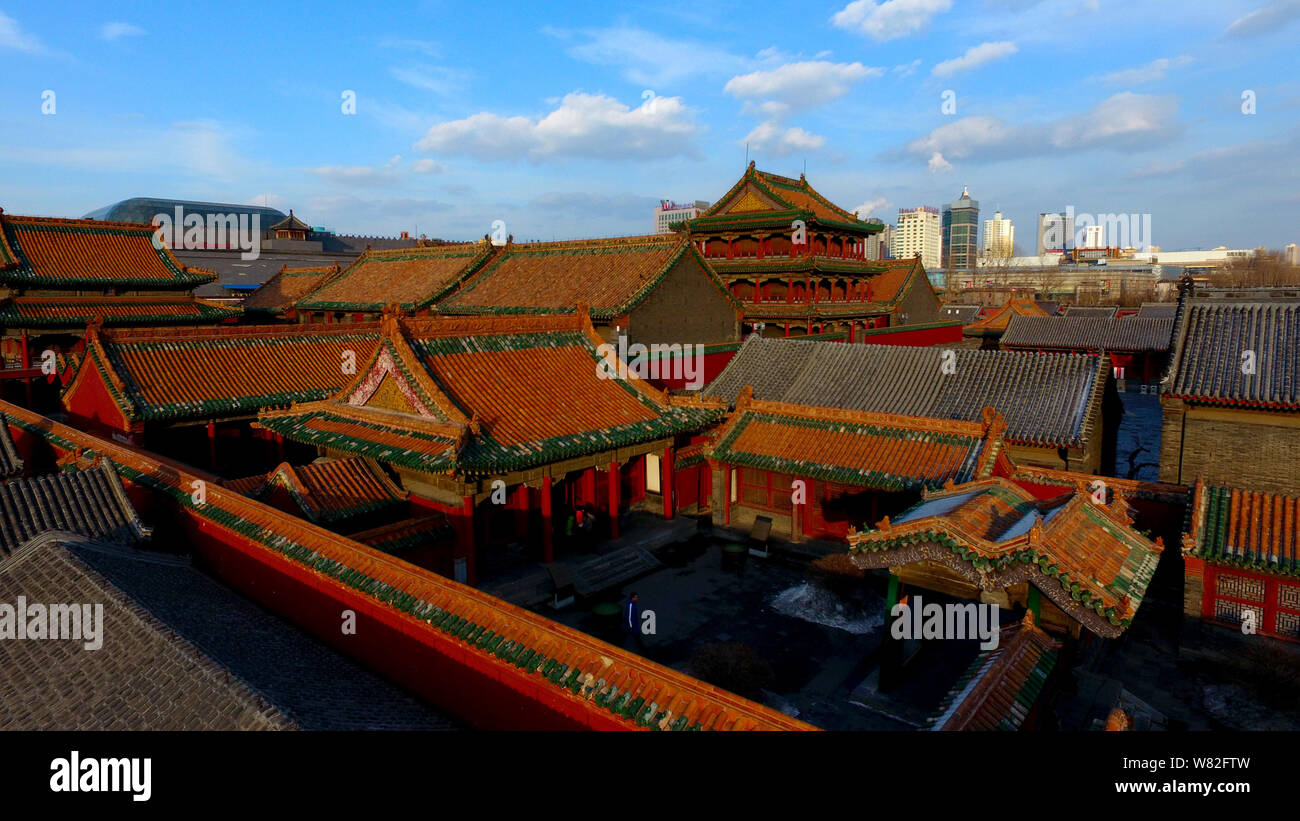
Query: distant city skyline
{"points": [[575, 120]]}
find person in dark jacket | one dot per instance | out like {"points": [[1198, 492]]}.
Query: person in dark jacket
{"points": [[632, 622]]}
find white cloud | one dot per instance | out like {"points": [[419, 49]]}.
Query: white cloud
{"points": [[974, 57], [869, 207], [428, 166], [1125, 120], [906, 69], [938, 164], [1265, 19], [583, 125], [1149, 73], [438, 79], [116, 31], [799, 86], [650, 59], [13, 37], [770, 138], [891, 19]]}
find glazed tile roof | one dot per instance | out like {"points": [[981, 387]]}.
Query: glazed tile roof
{"points": [[171, 375], [761, 196], [279, 293], [1047, 399], [59, 253], [1085, 557], [524, 649], [401, 536], [411, 278], [1091, 311], [1157, 310], [1002, 685], [328, 490], [89, 503], [611, 275], [469, 395], [1250, 529], [965, 314], [875, 450], [996, 323], [145, 676], [1209, 351], [1088, 333], [290, 223], [77, 312]]}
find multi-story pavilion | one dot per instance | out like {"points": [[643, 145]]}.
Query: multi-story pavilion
{"points": [[799, 262]]}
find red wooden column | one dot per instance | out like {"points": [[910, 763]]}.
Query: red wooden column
{"points": [[27, 363], [666, 481], [614, 481], [852, 325], [589, 486], [467, 540], [279, 447], [212, 445], [548, 529], [726, 494]]}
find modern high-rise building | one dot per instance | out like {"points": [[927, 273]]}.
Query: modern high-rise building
{"points": [[918, 235], [1291, 254], [879, 245], [1094, 236], [1055, 232], [961, 223], [668, 212], [999, 237]]}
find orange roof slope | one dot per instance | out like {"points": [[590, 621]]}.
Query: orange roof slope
{"points": [[173, 375], [761, 195], [409, 277], [64, 253], [1251, 529], [280, 292], [611, 275], [877, 450], [77, 312], [329, 490], [484, 396], [1001, 686], [1085, 557], [997, 323]]}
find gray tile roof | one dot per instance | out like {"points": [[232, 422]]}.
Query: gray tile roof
{"points": [[962, 313], [1047, 399], [143, 677], [1212, 339], [1098, 311], [1157, 310], [1088, 333], [90, 503]]}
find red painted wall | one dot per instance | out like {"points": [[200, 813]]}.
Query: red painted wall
{"points": [[916, 337]]}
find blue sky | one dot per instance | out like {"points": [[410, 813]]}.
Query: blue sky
{"points": [[573, 119]]}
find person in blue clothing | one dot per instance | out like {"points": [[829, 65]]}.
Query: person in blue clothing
{"points": [[632, 622]]}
